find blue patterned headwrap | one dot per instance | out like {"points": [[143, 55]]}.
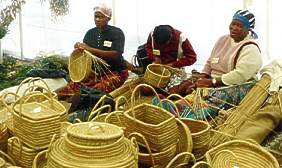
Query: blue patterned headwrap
{"points": [[247, 19]]}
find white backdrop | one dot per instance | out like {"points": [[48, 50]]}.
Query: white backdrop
{"points": [[203, 22]]}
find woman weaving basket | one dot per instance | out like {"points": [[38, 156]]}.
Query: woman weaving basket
{"points": [[235, 59], [106, 43]]}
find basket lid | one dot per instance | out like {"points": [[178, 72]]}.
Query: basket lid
{"points": [[95, 131], [36, 111], [79, 65]]}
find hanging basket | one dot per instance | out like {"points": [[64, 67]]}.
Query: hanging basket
{"points": [[242, 154], [157, 75], [80, 65]]}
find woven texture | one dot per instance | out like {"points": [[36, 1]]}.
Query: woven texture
{"points": [[242, 154], [80, 64], [157, 75], [40, 160], [92, 145]]}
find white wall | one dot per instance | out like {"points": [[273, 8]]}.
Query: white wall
{"points": [[203, 21]]}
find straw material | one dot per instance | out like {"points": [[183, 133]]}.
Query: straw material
{"points": [[40, 160], [92, 145], [80, 64], [4, 135], [242, 154], [7, 158], [2, 163], [22, 154], [35, 123], [200, 131], [157, 75], [248, 106], [178, 162], [185, 143], [157, 125], [201, 164], [126, 89]]}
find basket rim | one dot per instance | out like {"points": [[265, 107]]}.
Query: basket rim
{"points": [[158, 65]]}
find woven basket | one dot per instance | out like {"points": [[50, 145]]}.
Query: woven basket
{"points": [[92, 145], [95, 115], [185, 143], [242, 154], [40, 160], [156, 124], [201, 133], [80, 65], [201, 164], [157, 75], [35, 123], [8, 160], [22, 154], [4, 135]]}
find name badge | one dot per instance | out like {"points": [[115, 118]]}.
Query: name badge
{"points": [[215, 60], [156, 52], [107, 43]]}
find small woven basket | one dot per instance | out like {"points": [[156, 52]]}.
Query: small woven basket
{"points": [[80, 65], [40, 160], [157, 75], [242, 154], [200, 131]]}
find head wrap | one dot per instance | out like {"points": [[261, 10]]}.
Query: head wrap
{"points": [[247, 19], [162, 34], [104, 9]]}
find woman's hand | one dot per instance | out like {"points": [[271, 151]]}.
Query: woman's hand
{"points": [[81, 46], [203, 82]]}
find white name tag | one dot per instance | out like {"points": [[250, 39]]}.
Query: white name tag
{"points": [[215, 60], [156, 52], [107, 43]]}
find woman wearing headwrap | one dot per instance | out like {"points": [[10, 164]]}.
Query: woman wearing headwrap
{"points": [[236, 57]]}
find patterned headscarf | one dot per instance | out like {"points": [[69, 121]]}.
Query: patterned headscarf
{"points": [[104, 9], [247, 19]]}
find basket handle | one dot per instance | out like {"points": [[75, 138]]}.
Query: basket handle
{"points": [[119, 102], [169, 104], [11, 160], [77, 120], [137, 88], [30, 95], [117, 115], [91, 125], [135, 144], [50, 145], [33, 87], [100, 102], [13, 141], [30, 80], [179, 98], [95, 113], [3, 99], [136, 134], [36, 160], [169, 165], [196, 165]]}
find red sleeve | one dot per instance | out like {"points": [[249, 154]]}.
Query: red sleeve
{"points": [[189, 55], [149, 48]]}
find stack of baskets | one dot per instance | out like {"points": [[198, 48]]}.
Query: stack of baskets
{"points": [[154, 128], [92, 144], [35, 122], [80, 65], [157, 75]]}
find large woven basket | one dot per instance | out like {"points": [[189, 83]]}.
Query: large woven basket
{"points": [[80, 65], [201, 133], [242, 154], [35, 123], [92, 145], [157, 75], [157, 125]]}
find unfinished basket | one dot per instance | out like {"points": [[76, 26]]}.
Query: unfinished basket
{"points": [[92, 145], [157, 75], [200, 131], [80, 65], [157, 125], [238, 153]]}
